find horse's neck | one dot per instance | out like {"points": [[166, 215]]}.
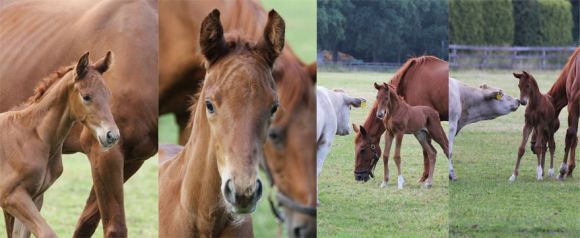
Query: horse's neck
{"points": [[51, 115], [558, 92], [201, 184], [535, 96]]}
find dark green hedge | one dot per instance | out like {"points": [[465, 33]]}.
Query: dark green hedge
{"points": [[465, 22], [555, 19]]}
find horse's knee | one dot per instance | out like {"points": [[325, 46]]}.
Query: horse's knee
{"points": [[539, 147], [397, 158], [521, 151], [571, 134]]}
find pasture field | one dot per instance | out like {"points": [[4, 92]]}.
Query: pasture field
{"points": [[301, 36], [482, 203], [350, 209]]}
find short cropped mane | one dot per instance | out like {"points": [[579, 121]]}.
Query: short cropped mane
{"points": [[558, 90], [397, 79], [47, 82]]}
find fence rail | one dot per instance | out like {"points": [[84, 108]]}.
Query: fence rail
{"points": [[358, 66], [486, 57]]}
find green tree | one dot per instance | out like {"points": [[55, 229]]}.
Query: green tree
{"points": [[331, 23], [466, 22], [527, 26], [498, 27], [555, 20]]}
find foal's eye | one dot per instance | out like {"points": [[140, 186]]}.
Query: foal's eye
{"points": [[209, 107], [87, 98], [274, 109]]}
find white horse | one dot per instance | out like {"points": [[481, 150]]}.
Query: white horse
{"points": [[332, 118]]}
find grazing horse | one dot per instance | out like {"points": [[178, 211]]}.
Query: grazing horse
{"points": [[566, 91], [421, 81], [32, 139], [540, 117], [290, 149], [209, 187], [39, 36], [400, 118]]}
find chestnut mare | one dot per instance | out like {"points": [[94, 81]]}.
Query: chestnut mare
{"points": [[32, 139], [208, 189], [566, 91], [421, 81], [291, 144], [39, 36], [541, 119], [400, 118]]}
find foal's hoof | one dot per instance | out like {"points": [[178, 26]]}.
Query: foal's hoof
{"points": [[452, 177], [383, 184], [551, 172], [428, 185], [561, 177], [540, 178], [512, 178], [400, 182]]}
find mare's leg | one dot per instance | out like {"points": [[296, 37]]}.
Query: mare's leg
{"points": [[20, 229], [522, 149], [386, 153], [423, 139], [400, 179], [552, 147], [569, 163], [21, 206], [425, 167], [9, 221], [90, 217]]}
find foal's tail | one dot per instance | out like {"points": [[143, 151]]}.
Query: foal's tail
{"points": [[436, 131]]}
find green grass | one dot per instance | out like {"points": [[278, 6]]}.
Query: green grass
{"points": [[301, 36], [483, 203], [64, 201], [349, 209]]}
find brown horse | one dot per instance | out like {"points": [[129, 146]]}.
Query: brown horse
{"points": [[566, 91], [38, 36], [290, 148], [210, 186], [541, 119], [421, 81], [32, 139], [400, 118]]}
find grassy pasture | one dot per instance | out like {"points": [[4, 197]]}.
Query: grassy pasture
{"points": [[483, 203], [350, 209]]}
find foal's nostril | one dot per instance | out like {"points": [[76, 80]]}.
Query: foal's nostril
{"points": [[258, 193], [229, 192]]}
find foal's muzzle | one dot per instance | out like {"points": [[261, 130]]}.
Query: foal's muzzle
{"points": [[108, 138], [242, 200], [363, 176]]}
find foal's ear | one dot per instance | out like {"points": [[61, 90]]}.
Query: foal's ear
{"points": [[377, 86], [82, 65], [103, 64], [273, 41], [212, 41], [311, 68], [518, 75]]}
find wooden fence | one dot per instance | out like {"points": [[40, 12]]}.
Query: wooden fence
{"points": [[491, 57], [343, 66]]}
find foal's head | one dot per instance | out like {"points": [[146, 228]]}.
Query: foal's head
{"points": [[90, 97], [387, 98], [238, 100], [527, 85]]}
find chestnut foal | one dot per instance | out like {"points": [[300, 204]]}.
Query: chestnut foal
{"points": [[400, 118], [32, 138], [211, 186], [541, 119]]}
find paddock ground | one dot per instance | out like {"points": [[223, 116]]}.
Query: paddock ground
{"points": [[350, 209], [483, 203]]}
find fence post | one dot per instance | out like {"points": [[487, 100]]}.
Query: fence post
{"points": [[543, 61]]}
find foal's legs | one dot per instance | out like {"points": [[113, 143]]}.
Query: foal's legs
{"points": [[552, 146], [9, 220], [399, 141], [386, 152], [424, 139], [540, 152], [21, 206], [522, 149], [20, 230]]}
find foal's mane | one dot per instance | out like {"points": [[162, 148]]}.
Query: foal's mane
{"points": [[398, 79], [44, 84]]}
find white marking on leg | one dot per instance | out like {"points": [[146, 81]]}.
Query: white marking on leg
{"points": [[539, 171], [383, 184], [551, 172], [400, 181], [513, 178]]}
